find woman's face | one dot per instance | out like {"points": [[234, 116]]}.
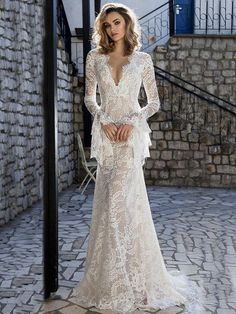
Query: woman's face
{"points": [[115, 26]]}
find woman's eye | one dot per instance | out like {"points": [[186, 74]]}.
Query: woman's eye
{"points": [[107, 25]]}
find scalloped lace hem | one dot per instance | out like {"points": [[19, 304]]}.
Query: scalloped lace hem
{"points": [[183, 292]]}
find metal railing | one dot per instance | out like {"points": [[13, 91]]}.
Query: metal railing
{"points": [[77, 53], [64, 28], [215, 16], [194, 89], [157, 24]]}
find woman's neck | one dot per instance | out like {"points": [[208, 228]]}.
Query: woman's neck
{"points": [[119, 47]]}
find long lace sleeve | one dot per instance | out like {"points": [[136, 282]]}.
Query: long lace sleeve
{"points": [[90, 85], [153, 101], [90, 90], [100, 149], [149, 83]]}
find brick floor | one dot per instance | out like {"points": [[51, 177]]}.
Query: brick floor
{"points": [[196, 228]]}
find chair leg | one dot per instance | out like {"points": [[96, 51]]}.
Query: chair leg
{"points": [[91, 177], [86, 185], [91, 173], [83, 181], [94, 179]]}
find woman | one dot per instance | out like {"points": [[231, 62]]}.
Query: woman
{"points": [[124, 267]]}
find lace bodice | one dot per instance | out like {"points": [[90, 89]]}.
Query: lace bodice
{"points": [[119, 103]]}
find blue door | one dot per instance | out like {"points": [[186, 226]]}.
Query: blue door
{"points": [[184, 13]]}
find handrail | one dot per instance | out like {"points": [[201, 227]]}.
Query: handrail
{"points": [[157, 24], [195, 86], [228, 105], [215, 15], [168, 2]]}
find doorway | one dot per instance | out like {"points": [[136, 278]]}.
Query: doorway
{"points": [[184, 16]]}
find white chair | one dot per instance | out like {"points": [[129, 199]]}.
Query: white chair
{"points": [[89, 166]]}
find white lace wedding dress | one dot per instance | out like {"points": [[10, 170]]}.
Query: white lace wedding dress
{"points": [[124, 267]]}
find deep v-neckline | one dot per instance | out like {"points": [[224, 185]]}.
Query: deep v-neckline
{"points": [[123, 68]]}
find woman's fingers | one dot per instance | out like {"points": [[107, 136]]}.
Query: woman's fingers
{"points": [[119, 133], [107, 134], [124, 132], [110, 131], [114, 133], [110, 135], [130, 128]]}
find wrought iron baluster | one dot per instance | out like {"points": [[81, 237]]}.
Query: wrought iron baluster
{"points": [[157, 24], [219, 16], [232, 16], [207, 6], [64, 28], [215, 16]]}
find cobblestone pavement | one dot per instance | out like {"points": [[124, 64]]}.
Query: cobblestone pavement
{"points": [[196, 228]]}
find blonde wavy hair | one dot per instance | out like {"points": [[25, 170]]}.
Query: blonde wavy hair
{"points": [[132, 35]]}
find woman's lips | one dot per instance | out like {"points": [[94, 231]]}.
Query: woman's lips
{"points": [[114, 34]]}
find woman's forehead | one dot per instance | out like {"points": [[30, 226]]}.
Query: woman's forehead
{"points": [[112, 17]]}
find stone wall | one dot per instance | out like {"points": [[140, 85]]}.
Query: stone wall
{"points": [[207, 61], [67, 123], [193, 140], [21, 140], [21, 109], [186, 153]]}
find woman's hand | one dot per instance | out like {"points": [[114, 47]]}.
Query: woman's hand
{"points": [[110, 130], [124, 132], [115, 133]]}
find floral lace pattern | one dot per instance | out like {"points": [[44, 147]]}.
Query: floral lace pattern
{"points": [[124, 267], [119, 103]]}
